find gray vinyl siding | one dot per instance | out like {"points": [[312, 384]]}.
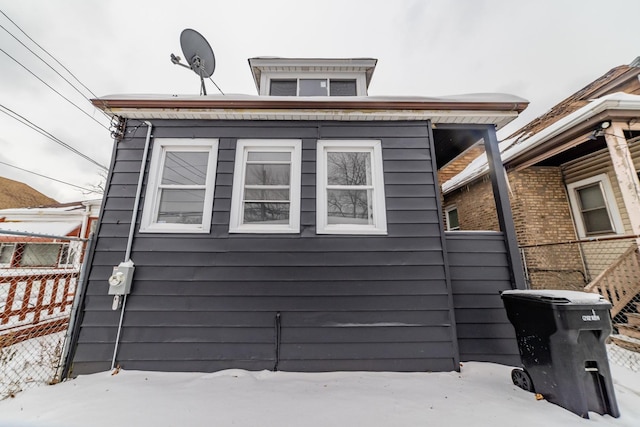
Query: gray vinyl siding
{"points": [[479, 272], [204, 302]]}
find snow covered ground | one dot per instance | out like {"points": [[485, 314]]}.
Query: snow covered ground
{"points": [[480, 395]]}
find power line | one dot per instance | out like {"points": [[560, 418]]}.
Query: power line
{"points": [[50, 55], [48, 177], [45, 62], [9, 112], [46, 84]]}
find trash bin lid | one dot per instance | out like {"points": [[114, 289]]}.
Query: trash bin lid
{"points": [[557, 296]]}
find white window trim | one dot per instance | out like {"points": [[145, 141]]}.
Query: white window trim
{"points": [[359, 77], [379, 225], [151, 200], [447, 211], [609, 199], [13, 251], [294, 146]]}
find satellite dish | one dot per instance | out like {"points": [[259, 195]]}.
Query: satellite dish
{"points": [[199, 56]]}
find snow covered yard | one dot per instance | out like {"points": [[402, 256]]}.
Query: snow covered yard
{"points": [[480, 395]]}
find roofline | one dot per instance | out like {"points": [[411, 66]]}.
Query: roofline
{"points": [[578, 121], [333, 104]]}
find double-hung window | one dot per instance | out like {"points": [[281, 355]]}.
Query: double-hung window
{"points": [[453, 224], [179, 197], [350, 188], [266, 187], [594, 207]]}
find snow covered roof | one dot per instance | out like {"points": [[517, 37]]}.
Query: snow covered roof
{"points": [[510, 150], [35, 227], [484, 108]]}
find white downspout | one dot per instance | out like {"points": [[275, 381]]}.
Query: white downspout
{"points": [[134, 217]]}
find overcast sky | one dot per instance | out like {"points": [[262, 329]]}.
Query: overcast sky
{"points": [[540, 50]]}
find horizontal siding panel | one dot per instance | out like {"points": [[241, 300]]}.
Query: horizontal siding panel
{"points": [[268, 243], [419, 364], [367, 350], [477, 301], [391, 153], [484, 346], [196, 351], [280, 259], [237, 319], [475, 272], [476, 331], [315, 288], [378, 334], [404, 165], [480, 287], [489, 259], [174, 334], [295, 303], [481, 315], [267, 274]]}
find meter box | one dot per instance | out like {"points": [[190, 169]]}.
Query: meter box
{"points": [[120, 280]]}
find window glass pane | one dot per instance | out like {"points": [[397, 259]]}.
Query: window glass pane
{"points": [[348, 168], [349, 207], [269, 156], [591, 197], [6, 253], [272, 213], [185, 168], [597, 221], [313, 87], [264, 194], [37, 254], [452, 219], [181, 206], [343, 87], [261, 174], [283, 87]]}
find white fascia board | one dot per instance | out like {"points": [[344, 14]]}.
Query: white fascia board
{"points": [[479, 167]]}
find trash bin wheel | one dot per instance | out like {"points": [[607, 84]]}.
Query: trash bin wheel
{"points": [[521, 378]]}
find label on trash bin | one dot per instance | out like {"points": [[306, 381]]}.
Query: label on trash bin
{"points": [[593, 317]]}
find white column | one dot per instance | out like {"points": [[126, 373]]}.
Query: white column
{"points": [[625, 173]]}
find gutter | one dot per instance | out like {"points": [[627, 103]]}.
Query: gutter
{"points": [[572, 120]]}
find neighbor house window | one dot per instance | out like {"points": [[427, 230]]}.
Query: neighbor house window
{"points": [[453, 223], [350, 188], [266, 187], [179, 195], [69, 253], [313, 87], [594, 207], [6, 253], [40, 255]]}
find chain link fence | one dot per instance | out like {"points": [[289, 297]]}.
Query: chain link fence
{"points": [[607, 266], [38, 280]]}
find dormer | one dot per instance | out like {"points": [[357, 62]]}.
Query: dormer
{"points": [[312, 77]]}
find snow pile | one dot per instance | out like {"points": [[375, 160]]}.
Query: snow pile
{"points": [[481, 394]]}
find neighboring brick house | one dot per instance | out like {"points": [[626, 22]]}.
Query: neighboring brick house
{"points": [[572, 175]]}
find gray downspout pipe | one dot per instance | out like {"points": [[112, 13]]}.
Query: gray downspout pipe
{"points": [[134, 217]]}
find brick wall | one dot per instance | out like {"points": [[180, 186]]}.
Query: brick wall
{"points": [[541, 215]]}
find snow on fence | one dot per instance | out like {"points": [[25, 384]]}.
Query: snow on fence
{"points": [[38, 280]]}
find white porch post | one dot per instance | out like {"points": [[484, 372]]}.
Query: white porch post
{"points": [[625, 173]]}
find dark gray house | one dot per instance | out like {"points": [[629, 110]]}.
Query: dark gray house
{"points": [[299, 230]]}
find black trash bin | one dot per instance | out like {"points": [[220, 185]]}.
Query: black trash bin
{"points": [[561, 337]]}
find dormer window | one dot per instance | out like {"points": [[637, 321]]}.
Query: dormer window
{"points": [[313, 87], [312, 77]]}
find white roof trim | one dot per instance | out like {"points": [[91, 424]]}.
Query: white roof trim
{"points": [[479, 166]]}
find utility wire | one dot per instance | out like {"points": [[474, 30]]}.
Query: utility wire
{"points": [[50, 55], [61, 95], [48, 177], [9, 112], [47, 64]]}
